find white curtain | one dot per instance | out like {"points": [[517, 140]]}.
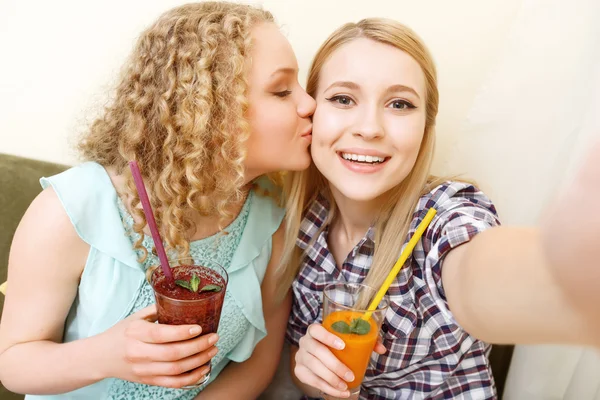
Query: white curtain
{"points": [[526, 132]]}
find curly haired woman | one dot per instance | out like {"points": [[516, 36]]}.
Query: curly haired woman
{"points": [[208, 105]]}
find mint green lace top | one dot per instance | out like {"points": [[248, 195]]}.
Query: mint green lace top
{"points": [[113, 283], [218, 248]]}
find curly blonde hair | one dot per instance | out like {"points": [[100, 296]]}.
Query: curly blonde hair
{"points": [[179, 111]]}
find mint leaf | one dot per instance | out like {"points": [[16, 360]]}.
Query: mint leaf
{"points": [[194, 282], [359, 326], [211, 288], [340, 327], [183, 284]]}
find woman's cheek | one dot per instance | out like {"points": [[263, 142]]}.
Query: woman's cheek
{"points": [[327, 125], [405, 132]]}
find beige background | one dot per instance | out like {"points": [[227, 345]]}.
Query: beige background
{"points": [[520, 101], [59, 58]]}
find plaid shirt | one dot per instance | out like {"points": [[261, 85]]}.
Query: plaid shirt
{"points": [[429, 356]]}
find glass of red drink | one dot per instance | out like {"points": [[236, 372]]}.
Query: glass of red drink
{"points": [[196, 298]]}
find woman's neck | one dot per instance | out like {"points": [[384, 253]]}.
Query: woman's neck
{"points": [[353, 218]]}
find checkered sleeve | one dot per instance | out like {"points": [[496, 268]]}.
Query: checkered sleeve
{"points": [[463, 211]]}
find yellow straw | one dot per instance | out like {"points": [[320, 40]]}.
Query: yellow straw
{"points": [[398, 266]]}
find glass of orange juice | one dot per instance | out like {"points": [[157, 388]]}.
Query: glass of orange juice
{"points": [[345, 315]]}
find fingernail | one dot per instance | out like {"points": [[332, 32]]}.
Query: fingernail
{"points": [[349, 376], [339, 344], [213, 339], [213, 352], [342, 386], [195, 330], [345, 394]]}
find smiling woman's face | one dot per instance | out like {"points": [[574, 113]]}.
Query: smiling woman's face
{"points": [[370, 118]]}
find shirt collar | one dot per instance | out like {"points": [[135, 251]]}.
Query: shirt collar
{"points": [[314, 219]]}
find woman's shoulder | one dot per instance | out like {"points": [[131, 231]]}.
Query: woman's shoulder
{"points": [[50, 214], [84, 181], [47, 217], [88, 197], [85, 192], [46, 229], [449, 195], [462, 211]]}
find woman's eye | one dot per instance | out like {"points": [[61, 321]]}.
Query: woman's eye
{"points": [[283, 93], [342, 100], [401, 105]]}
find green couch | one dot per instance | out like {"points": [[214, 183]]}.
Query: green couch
{"points": [[19, 185]]}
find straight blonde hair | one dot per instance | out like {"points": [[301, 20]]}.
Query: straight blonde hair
{"points": [[301, 188]]}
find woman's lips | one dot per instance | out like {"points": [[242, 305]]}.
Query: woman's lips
{"points": [[362, 167]]}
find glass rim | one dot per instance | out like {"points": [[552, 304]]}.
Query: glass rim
{"points": [[379, 308], [224, 275]]}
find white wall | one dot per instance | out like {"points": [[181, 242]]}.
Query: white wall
{"points": [[518, 101], [529, 126], [59, 57]]}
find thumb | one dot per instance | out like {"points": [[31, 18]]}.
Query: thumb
{"points": [[379, 347], [148, 313]]}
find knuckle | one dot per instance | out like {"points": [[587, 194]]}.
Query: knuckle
{"points": [[302, 342], [341, 370], [130, 329], [174, 369], [319, 384], [131, 354], [335, 381], [204, 358], [169, 383], [308, 343], [137, 370], [154, 333], [147, 381], [170, 353], [299, 372], [201, 345], [298, 357], [191, 380]]}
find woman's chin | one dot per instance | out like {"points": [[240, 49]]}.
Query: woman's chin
{"points": [[359, 193], [300, 163]]}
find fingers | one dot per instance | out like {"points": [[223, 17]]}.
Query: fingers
{"points": [[320, 371], [311, 345], [149, 332], [175, 368], [324, 336], [186, 379], [148, 314], [180, 350], [306, 376], [379, 347], [147, 352]]}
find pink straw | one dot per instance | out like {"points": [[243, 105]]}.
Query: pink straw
{"points": [[162, 255]]}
